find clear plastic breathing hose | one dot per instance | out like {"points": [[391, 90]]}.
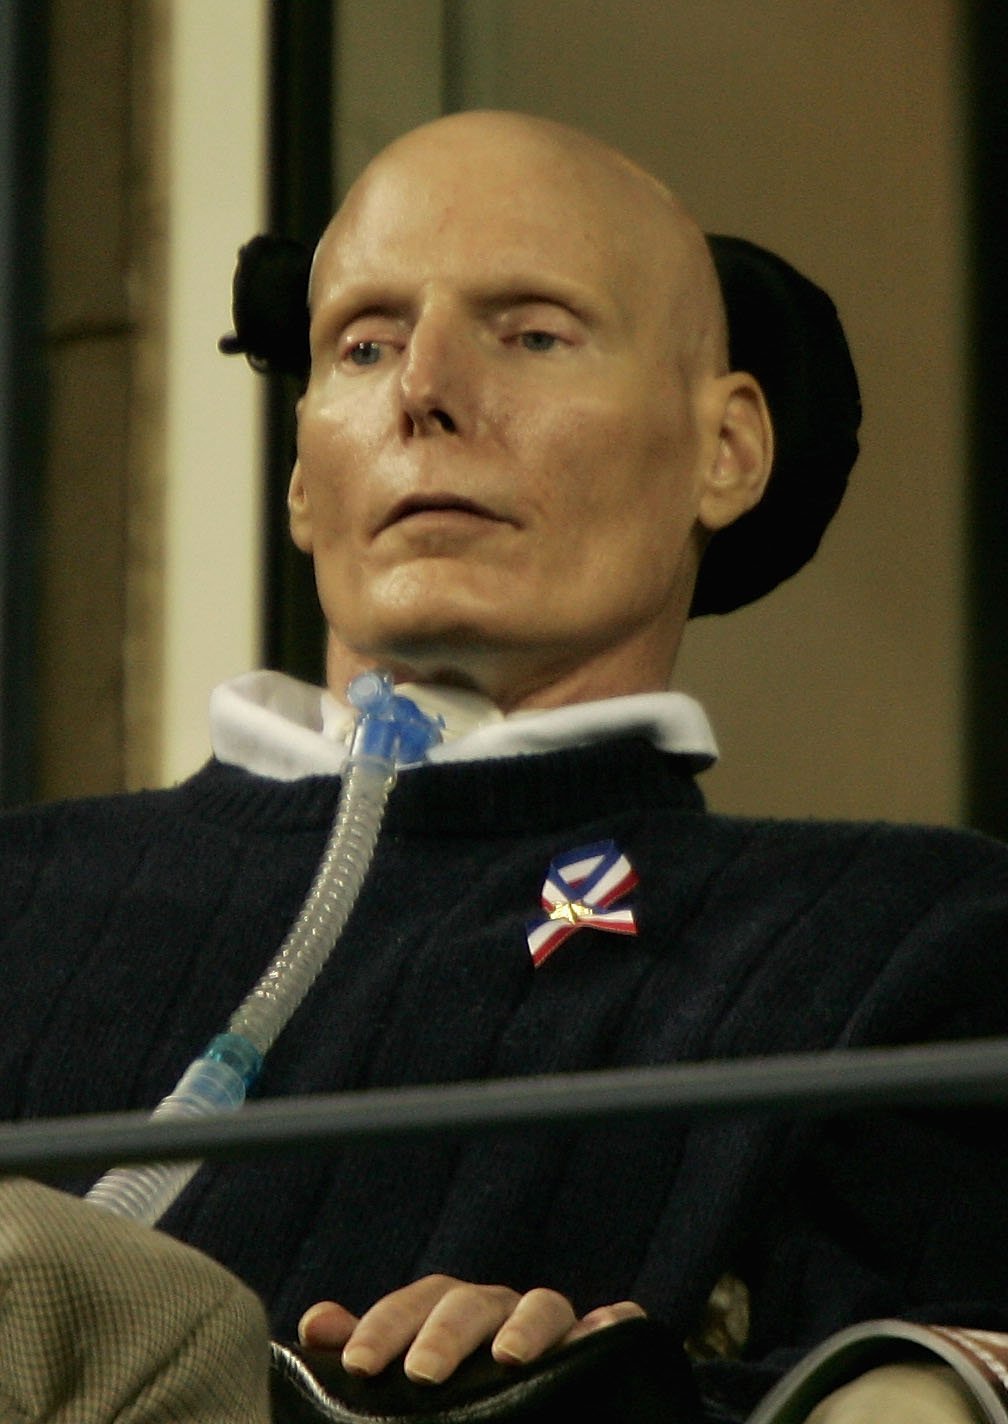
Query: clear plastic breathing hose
{"points": [[391, 731]]}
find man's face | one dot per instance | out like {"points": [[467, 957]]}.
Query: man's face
{"points": [[498, 455]]}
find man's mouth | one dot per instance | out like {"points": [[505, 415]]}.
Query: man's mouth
{"points": [[418, 506]]}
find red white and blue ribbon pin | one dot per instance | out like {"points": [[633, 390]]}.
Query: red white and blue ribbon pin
{"points": [[580, 891]]}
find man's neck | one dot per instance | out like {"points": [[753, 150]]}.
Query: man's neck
{"points": [[517, 682]]}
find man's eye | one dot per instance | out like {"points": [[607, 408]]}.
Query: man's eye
{"points": [[364, 353], [538, 340]]}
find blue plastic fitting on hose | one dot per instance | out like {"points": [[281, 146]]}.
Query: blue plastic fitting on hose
{"points": [[239, 1054], [390, 727]]}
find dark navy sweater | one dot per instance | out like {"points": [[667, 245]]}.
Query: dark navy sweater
{"points": [[130, 927]]}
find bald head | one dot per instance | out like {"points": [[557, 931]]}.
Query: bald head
{"points": [[626, 214]]}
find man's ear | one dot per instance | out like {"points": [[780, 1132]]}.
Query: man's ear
{"points": [[299, 511], [736, 479]]}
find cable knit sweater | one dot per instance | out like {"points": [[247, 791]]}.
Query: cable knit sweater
{"points": [[131, 926]]}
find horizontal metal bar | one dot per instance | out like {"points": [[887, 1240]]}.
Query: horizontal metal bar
{"points": [[949, 1074]]}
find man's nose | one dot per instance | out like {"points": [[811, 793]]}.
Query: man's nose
{"points": [[436, 377]]}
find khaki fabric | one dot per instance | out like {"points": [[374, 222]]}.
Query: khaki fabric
{"points": [[103, 1320]]}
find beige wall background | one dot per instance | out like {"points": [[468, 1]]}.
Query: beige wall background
{"points": [[828, 132]]}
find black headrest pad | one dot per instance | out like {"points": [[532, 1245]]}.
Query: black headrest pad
{"points": [[783, 330], [269, 306]]}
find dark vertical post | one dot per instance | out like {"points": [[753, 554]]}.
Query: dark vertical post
{"points": [[23, 47], [985, 31], [301, 146]]}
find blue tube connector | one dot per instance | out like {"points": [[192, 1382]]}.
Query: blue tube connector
{"points": [[239, 1054], [390, 727]]}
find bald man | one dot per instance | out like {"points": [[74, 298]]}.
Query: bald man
{"points": [[518, 434], [519, 440], [515, 441]]}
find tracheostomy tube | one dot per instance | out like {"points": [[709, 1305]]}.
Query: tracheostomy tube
{"points": [[391, 732]]}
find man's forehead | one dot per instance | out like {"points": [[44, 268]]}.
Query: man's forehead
{"points": [[476, 231], [503, 209]]}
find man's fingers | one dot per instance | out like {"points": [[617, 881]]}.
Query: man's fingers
{"points": [[395, 1322], [326, 1324], [540, 1320], [464, 1317], [605, 1315], [439, 1321]]}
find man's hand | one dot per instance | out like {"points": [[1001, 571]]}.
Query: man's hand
{"points": [[439, 1320]]}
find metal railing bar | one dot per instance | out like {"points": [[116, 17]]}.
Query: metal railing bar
{"points": [[938, 1075]]}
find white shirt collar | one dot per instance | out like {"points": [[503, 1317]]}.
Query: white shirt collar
{"points": [[275, 726]]}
